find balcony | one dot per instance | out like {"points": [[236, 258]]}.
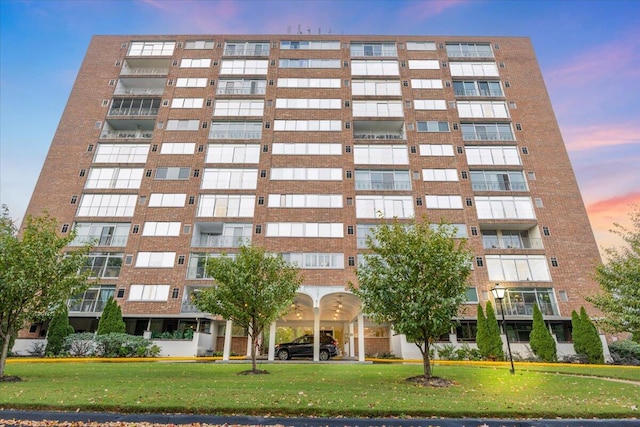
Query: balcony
{"points": [[189, 308], [514, 308], [134, 107], [379, 130], [487, 136], [212, 241], [246, 49], [499, 186], [240, 90], [475, 92], [220, 235], [145, 66], [92, 300], [384, 186], [140, 86], [127, 129], [235, 134], [492, 242]]}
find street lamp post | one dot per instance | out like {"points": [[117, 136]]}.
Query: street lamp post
{"points": [[498, 294]]}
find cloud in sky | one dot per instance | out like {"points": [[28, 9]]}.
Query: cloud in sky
{"points": [[604, 213], [423, 10], [584, 137]]}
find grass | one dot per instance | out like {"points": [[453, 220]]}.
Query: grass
{"points": [[372, 390]]}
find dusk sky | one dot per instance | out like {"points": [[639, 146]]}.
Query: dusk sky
{"points": [[589, 53]]}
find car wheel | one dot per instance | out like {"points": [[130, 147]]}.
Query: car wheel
{"points": [[283, 355], [324, 355]]}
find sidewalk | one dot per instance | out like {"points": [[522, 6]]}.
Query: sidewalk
{"points": [[177, 419]]}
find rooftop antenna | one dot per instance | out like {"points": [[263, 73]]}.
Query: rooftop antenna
{"points": [[288, 29], [309, 31], [299, 30]]}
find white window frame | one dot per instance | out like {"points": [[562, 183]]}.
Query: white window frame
{"points": [[429, 104], [304, 201], [229, 179], [518, 268], [306, 149], [187, 102], [483, 109], [226, 205], [195, 63], [244, 67], [474, 69], [306, 174], [371, 207], [426, 83], [191, 82], [149, 293], [295, 83], [121, 153], [305, 229], [233, 153], [376, 87], [493, 155], [424, 64], [440, 175], [177, 148], [450, 201], [167, 200], [504, 207], [161, 228], [183, 125], [375, 67], [380, 155], [239, 107], [381, 108], [436, 150], [307, 125], [120, 178], [100, 205], [309, 103]]}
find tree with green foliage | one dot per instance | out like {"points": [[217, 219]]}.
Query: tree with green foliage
{"points": [[414, 278], [619, 279], [253, 289], [37, 273], [540, 339], [59, 329], [111, 320], [494, 340], [481, 332], [586, 340]]}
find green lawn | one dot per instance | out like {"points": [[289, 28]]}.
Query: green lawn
{"points": [[372, 390]]}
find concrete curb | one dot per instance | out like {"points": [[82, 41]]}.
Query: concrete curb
{"points": [[104, 417]]}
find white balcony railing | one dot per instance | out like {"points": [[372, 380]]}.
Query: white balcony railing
{"points": [[363, 135], [126, 134]]}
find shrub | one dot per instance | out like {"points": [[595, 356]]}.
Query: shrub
{"points": [[481, 333], [494, 341], [59, 329], [80, 345], [446, 352], [123, 345], [111, 319], [37, 349], [625, 352], [586, 340], [540, 340]]}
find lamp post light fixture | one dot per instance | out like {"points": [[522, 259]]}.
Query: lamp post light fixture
{"points": [[498, 294]]}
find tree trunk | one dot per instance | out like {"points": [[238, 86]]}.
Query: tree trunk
{"points": [[5, 351], [426, 362], [254, 342]]}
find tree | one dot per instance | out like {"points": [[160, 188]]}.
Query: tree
{"points": [[586, 340], [481, 332], [59, 329], [540, 340], [111, 320], [414, 278], [494, 340], [252, 290], [37, 273], [619, 279], [593, 345]]}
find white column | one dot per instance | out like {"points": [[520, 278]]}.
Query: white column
{"points": [[316, 334], [227, 340], [360, 337], [272, 340], [352, 350]]}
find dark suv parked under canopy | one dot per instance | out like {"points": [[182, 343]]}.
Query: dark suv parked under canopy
{"points": [[303, 347]]}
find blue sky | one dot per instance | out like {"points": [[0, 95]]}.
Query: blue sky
{"points": [[589, 53]]}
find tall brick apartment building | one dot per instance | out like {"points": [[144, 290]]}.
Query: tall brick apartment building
{"points": [[173, 149]]}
